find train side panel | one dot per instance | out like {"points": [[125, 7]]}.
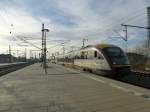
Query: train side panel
{"points": [[94, 64]]}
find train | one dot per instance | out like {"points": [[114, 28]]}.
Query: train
{"points": [[104, 59]]}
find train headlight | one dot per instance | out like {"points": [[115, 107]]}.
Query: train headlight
{"points": [[114, 63]]}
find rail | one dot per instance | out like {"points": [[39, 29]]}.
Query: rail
{"points": [[4, 69], [141, 73]]}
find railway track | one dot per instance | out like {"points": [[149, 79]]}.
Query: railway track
{"points": [[4, 69], [141, 73], [137, 78]]}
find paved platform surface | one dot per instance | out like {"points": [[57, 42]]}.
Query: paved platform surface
{"points": [[68, 90]]}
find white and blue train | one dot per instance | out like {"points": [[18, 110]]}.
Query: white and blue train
{"points": [[104, 59]]}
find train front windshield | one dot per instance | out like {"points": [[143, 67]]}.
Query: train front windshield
{"points": [[116, 55]]}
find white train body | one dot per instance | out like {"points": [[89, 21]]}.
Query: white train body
{"points": [[93, 63], [103, 58]]}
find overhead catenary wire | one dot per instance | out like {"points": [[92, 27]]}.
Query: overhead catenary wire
{"points": [[108, 29], [127, 19], [57, 45], [30, 43]]}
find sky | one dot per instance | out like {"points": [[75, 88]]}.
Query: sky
{"points": [[99, 21]]}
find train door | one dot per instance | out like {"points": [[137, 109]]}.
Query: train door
{"points": [[99, 60]]}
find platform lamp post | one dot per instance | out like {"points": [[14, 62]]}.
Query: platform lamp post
{"points": [[11, 34], [25, 54], [10, 56]]}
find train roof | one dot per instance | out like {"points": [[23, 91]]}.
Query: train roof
{"points": [[98, 46], [101, 46]]}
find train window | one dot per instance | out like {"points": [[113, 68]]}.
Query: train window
{"points": [[77, 56], [95, 54], [85, 55], [90, 55], [82, 55], [114, 52]]}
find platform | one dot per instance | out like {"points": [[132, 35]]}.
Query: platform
{"points": [[68, 90]]}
